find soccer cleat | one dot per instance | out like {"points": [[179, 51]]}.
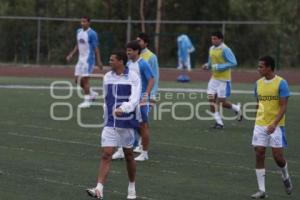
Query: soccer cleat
{"points": [[217, 126], [94, 192], [84, 104], [288, 185], [142, 157], [259, 195], [119, 154], [131, 194], [239, 114], [138, 149]]}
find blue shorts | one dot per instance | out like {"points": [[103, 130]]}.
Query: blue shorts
{"points": [[145, 109]]}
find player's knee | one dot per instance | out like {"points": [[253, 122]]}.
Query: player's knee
{"points": [[260, 154], [106, 156], [129, 156], [211, 97]]}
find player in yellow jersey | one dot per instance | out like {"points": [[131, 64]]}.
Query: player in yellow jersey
{"points": [[272, 94], [220, 61]]}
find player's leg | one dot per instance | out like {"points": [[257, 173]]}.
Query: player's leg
{"points": [[127, 140], [109, 140], [144, 133], [131, 170], [278, 143], [212, 97], [260, 172], [224, 91], [260, 141]]}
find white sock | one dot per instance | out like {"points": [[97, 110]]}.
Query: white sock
{"points": [[236, 108], [218, 119], [131, 185], [260, 175], [93, 93], [285, 172], [99, 186]]}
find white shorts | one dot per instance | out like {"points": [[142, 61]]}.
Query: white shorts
{"points": [[275, 140], [220, 88], [117, 137], [83, 69]]}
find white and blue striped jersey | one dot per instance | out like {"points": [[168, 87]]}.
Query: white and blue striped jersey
{"points": [[122, 91], [87, 42], [143, 69]]}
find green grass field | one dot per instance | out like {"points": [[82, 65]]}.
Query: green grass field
{"points": [[43, 159]]}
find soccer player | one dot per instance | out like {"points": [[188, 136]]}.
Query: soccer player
{"points": [[220, 61], [272, 94], [122, 92], [151, 58], [143, 69], [87, 46], [185, 48]]}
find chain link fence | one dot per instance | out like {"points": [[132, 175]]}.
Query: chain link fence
{"points": [[35, 40]]}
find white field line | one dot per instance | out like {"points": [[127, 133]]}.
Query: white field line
{"points": [[40, 87], [159, 143], [65, 183]]}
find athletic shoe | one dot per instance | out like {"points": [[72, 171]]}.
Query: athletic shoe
{"points": [[259, 195], [85, 104], [131, 193], [94, 192], [217, 126], [288, 185], [119, 154], [138, 149], [239, 114], [142, 157]]}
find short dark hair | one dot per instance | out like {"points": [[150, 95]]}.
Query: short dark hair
{"points": [[134, 45], [144, 37], [87, 18], [218, 34], [269, 61], [120, 55]]}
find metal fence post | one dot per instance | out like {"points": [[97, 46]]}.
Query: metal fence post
{"points": [[38, 41], [223, 29], [128, 32]]}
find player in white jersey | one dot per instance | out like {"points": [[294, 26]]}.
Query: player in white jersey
{"points": [[87, 46]]}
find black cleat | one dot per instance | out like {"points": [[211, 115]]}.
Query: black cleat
{"points": [[217, 126]]}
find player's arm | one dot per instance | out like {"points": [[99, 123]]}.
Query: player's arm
{"points": [[98, 58], [147, 71], [155, 70], [283, 100], [130, 106], [230, 61], [71, 54]]}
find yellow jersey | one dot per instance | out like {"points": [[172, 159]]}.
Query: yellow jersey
{"points": [[223, 57], [268, 93]]}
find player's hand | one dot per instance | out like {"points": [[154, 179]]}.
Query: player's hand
{"points": [[69, 57], [205, 66], [144, 99], [118, 112], [271, 128], [214, 67]]}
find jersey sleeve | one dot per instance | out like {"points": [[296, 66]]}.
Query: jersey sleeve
{"points": [[94, 41], [147, 71], [230, 60], [134, 98], [284, 89], [255, 90]]}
